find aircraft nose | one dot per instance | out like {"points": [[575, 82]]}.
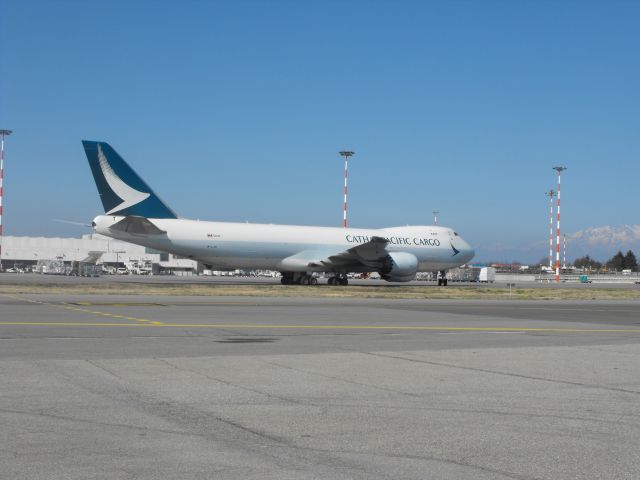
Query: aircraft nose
{"points": [[467, 251], [470, 254]]}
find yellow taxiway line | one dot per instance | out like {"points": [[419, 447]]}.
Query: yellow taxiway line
{"points": [[326, 327], [143, 322], [75, 308]]}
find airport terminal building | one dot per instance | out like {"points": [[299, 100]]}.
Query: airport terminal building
{"points": [[26, 253]]}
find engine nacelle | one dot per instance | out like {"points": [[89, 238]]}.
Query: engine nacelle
{"points": [[400, 267]]}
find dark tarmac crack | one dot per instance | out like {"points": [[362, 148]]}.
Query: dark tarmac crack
{"points": [[352, 382], [604, 350], [456, 410], [228, 383], [499, 413], [497, 372], [68, 418], [429, 458], [283, 452], [247, 340]]}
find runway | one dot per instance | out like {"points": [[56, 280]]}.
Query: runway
{"points": [[103, 386]]}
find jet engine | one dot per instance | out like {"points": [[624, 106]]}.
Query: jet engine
{"points": [[399, 267]]}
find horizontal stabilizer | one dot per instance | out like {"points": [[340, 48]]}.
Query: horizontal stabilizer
{"points": [[92, 257], [137, 226]]}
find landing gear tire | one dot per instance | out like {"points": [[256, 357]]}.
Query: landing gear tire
{"points": [[298, 278], [338, 280], [287, 279]]}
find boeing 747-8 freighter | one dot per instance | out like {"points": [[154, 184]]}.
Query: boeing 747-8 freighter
{"points": [[134, 213]]}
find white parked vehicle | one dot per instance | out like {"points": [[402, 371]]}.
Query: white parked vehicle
{"points": [[487, 275]]}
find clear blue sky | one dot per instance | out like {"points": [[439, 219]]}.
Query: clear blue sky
{"points": [[236, 111]]}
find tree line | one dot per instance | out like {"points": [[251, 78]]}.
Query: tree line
{"points": [[616, 263]]}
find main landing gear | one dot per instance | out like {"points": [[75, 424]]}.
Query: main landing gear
{"points": [[298, 278], [442, 278], [302, 278], [338, 280]]}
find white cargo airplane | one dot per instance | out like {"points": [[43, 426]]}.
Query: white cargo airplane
{"points": [[134, 213]]}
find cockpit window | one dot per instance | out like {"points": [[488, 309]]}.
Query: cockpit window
{"points": [[455, 233]]}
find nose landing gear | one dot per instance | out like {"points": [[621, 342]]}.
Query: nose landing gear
{"points": [[442, 278]]}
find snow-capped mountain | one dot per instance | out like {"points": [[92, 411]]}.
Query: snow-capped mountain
{"points": [[600, 243], [603, 242]]}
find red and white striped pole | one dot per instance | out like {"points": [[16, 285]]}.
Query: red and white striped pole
{"points": [[346, 154], [551, 194], [3, 133], [559, 170], [564, 252]]}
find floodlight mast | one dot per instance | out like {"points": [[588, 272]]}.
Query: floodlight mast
{"points": [[558, 169], [550, 194], [346, 154], [3, 133]]}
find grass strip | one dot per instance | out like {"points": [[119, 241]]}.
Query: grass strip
{"points": [[352, 291]]}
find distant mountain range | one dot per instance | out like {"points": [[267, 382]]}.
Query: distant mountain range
{"points": [[602, 243]]}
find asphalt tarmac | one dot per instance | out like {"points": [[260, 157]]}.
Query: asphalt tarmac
{"points": [[110, 387]]}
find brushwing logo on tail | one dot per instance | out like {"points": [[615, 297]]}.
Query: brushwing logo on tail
{"points": [[128, 195]]}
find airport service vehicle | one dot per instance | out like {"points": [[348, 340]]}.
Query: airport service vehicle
{"points": [[487, 275], [135, 214]]}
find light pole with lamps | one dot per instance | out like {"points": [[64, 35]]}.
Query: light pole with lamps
{"points": [[3, 133], [346, 154]]}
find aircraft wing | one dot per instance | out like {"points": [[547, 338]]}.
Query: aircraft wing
{"points": [[371, 254]]}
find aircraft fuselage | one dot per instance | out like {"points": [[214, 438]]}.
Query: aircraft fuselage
{"points": [[225, 245]]}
